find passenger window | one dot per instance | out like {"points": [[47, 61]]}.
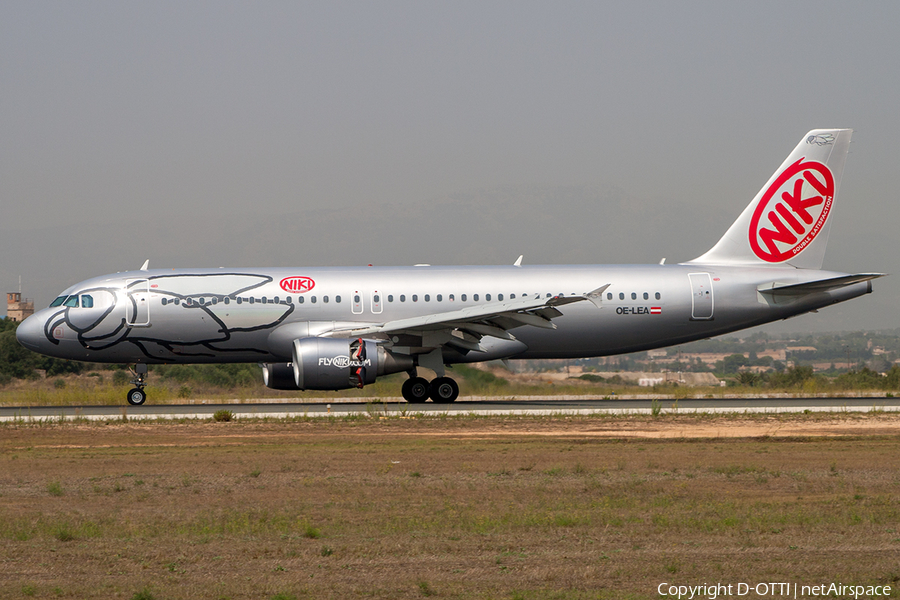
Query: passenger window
{"points": [[512, 296], [609, 295], [499, 296], [390, 297], [463, 297], [415, 298], [402, 297], [215, 300], [475, 297], [163, 301], [621, 295], [87, 301], [487, 297], [301, 300], [227, 300], [288, 300], [427, 298], [646, 296], [658, 296], [451, 297], [313, 299], [275, 299], [71, 302], [325, 299], [633, 296], [263, 300], [439, 297], [356, 299], [177, 301]]}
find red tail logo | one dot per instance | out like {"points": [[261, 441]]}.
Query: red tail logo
{"points": [[297, 285], [792, 211]]}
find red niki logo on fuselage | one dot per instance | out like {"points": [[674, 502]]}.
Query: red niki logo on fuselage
{"points": [[792, 211], [297, 285]]}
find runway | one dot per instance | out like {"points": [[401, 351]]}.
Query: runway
{"points": [[534, 407]]}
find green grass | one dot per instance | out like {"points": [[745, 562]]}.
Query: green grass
{"points": [[199, 383], [499, 512]]}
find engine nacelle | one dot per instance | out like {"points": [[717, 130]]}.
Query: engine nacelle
{"points": [[337, 364], [279, 376], [334, 364]]}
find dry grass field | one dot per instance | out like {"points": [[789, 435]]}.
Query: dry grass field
{"points": [[514, 508]]}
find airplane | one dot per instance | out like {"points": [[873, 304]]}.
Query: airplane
{"points": [[340, 328]]}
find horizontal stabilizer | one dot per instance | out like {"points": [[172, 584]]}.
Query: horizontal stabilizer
{"points": [[821, 285]]}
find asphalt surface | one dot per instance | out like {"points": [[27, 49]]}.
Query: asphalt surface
{"points": [[544, 406]]}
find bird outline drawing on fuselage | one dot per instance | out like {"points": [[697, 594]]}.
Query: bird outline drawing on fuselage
{"points": [[106, 323]]}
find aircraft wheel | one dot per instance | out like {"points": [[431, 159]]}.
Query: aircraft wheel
{"points": [[136, 397], [444, 390], [415, 390]]}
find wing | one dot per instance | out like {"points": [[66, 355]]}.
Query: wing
{"points": [[464, 328]]}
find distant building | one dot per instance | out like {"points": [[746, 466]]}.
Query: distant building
{"points": [[16, 308]]}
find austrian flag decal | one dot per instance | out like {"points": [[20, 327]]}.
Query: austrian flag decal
{"points": [[792, 211], [656, 310]]}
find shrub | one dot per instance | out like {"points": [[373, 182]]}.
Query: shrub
{"points": [[591, 378], [64, 533], [794, 377], [749, 378], [223, 415], [144, 594], [478, 379], [312, 533], [425, 588]]}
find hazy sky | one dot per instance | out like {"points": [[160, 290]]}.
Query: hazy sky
{"points": [[133, 130]]}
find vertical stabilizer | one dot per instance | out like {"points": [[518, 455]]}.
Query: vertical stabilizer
{"points": [[787, 223]]}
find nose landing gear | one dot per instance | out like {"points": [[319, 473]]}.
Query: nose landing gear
{"points": [[136, 396]]}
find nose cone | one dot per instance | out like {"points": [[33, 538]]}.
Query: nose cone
{"points": [[30, 332]]}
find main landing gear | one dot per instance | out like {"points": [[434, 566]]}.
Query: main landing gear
{"points": [[441, 390], [136, 396]]}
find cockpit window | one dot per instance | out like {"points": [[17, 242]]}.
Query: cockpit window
{"points": [[87, 301], [58, 301], [71, 302]]}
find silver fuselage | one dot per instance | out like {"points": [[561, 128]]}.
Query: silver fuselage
{"points": [[251, 315]]}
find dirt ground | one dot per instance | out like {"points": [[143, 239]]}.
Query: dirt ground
{"points": [[510, 507]]}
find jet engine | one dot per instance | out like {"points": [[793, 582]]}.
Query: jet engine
{"points": [[334, 364], [279, 376]]}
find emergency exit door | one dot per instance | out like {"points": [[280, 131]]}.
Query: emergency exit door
{"points": [[137, 307], [701, 296]]}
